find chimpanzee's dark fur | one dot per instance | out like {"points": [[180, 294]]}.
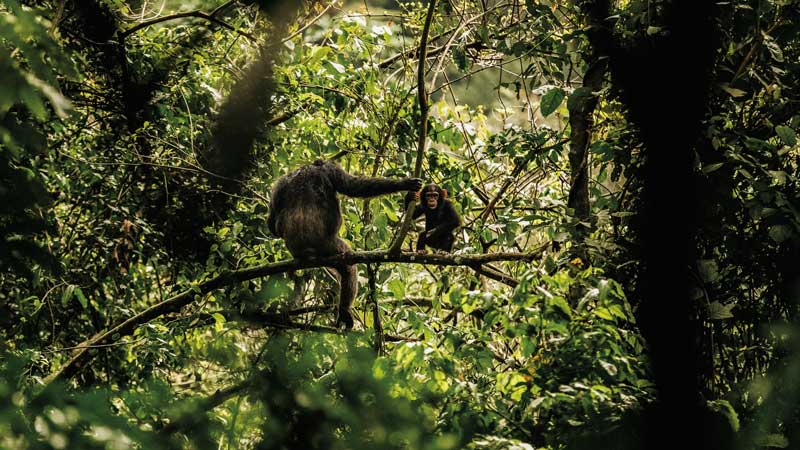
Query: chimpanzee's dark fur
{"points": [[305, 213], [439, 222]]}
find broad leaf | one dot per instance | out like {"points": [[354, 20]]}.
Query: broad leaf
{"points": [[551, 101]]}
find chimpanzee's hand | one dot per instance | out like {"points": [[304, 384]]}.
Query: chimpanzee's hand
{"points": [[414, 184]]}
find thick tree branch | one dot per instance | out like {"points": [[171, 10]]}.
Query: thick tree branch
{"points": [[82, 355]]}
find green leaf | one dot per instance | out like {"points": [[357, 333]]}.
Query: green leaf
{"points": [[237, 228], [226, 246], [397, 287], [618, 312], [483, 33], [60, 103], [561, 304], [276, 286], [81, 298], [718, 311], [611, 369], [780, 233], [67, 295], [779, 176], [219, 321], [390, 213], [774, 48], [653, 30], [551, 101], [339, 68], [735, 93], [604, 314], [708, 270], [578, 98], [787, 135], [460, 58], [712, 167]]}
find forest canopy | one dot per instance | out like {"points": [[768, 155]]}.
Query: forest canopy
{"points": [[624, 267]]}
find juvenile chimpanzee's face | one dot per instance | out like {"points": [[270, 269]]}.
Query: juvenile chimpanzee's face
{"points": [[431, 199]]}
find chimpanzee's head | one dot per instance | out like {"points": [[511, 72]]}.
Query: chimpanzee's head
{"points": [[433, 196]]}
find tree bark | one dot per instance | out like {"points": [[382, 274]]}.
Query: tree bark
{"points": [[581, 106]]}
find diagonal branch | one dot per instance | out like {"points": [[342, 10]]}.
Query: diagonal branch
{"points": [[82, 355], [422, 97], [211, 17]]}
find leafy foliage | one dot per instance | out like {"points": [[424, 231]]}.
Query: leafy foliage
{"points": [[108, 208]]}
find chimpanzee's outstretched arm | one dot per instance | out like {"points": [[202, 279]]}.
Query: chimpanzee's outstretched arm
{"points": [[365, 186]]}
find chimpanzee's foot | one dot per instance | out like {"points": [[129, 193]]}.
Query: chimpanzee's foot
{"points": [[346, 318]]}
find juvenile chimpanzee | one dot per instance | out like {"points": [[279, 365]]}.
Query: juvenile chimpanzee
{"points": [[441, 218], [305, 213]]}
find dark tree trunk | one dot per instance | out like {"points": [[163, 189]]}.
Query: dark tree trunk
{"points": [[653, 74]]}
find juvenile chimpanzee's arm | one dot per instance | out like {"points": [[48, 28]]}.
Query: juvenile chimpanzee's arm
{"points": [[365, 186]]}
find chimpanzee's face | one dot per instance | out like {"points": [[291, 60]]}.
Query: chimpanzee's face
{"points": [[431, 199]]}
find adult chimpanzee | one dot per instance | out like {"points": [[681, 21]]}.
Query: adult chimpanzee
{"points": [[305, 213], [441, 218]]}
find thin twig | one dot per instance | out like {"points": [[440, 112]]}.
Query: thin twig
{"points": [[311, 22]]}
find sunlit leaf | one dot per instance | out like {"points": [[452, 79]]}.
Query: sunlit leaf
{"points": [[712, 167], [718, 311], [736, 93]]}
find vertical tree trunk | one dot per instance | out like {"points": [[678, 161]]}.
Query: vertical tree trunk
{"points": [[581, 105], [653, 75]]}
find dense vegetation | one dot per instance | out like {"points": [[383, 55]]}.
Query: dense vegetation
{"points": [[627, 271]]}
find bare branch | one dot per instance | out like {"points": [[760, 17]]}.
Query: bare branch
{"points": [[197, 14]]}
